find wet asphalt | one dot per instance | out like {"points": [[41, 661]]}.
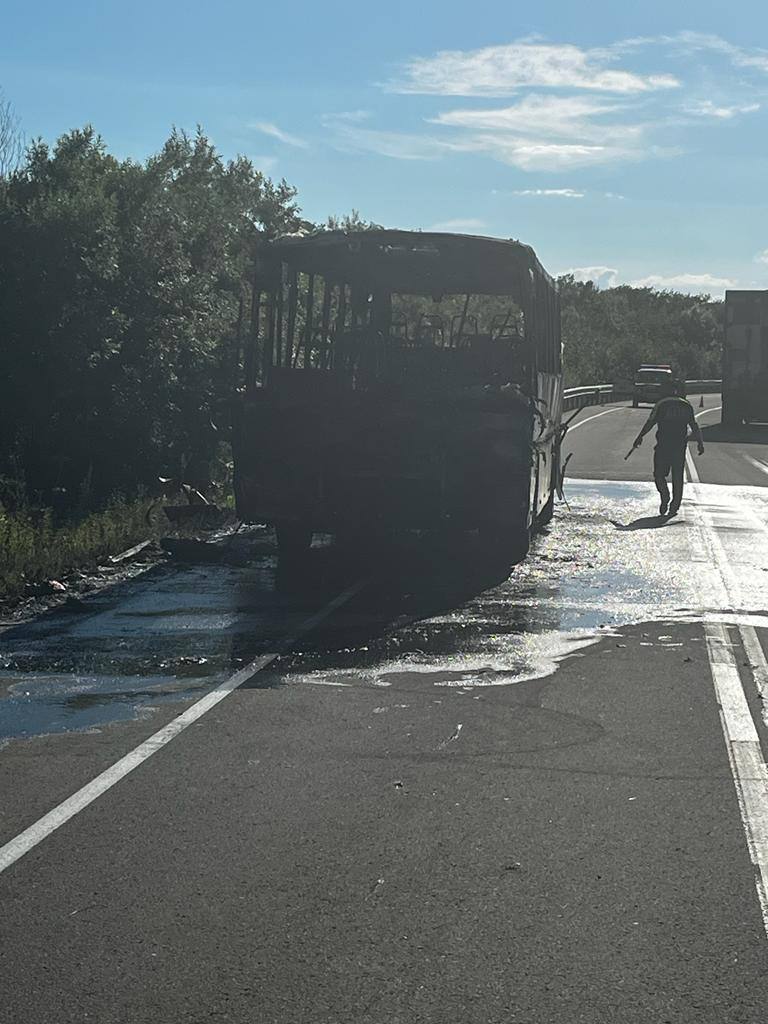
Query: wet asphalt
{"points": [[467, 795]]}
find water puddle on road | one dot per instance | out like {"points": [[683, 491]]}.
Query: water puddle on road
{"points": [[606, 562], [433, 620]]}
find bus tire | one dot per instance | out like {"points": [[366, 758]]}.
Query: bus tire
{"points": [[293, 538], [509, 546]]}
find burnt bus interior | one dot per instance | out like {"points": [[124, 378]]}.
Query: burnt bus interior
{"points": [[401, 310], [398, 378]]}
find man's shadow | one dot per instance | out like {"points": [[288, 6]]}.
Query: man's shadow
{"points": [[646, 523]]}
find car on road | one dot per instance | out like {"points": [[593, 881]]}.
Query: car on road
{"points": [[650, 383]]}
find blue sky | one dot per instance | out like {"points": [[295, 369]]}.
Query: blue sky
{"points": [[627, 145]]}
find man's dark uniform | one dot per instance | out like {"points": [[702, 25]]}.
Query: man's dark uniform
{"points": [[673, 416]]}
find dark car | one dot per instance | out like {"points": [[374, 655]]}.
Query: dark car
{"points": [[651, 382]]}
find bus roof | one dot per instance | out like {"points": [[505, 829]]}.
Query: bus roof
{"points": [[417, 262]]}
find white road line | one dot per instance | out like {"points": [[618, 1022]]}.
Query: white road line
{"points": [[715, 408], [745, 756], [54, 819], [757, 662], [690, 465], [583, 423], [757, 463]]}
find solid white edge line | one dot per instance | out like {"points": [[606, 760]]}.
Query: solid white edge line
{"points": [[715, 408], [758, 664], [41, 829], [693, 474], [745, 756], [583, 423], [757, 463]]}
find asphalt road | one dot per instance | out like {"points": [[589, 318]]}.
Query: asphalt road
{"points": [[600, 438], [440, 793]]}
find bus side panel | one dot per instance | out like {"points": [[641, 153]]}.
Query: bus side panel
{"points": [[546, 440]]}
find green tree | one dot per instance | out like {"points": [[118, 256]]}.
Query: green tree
{"points": [[120, 295]]}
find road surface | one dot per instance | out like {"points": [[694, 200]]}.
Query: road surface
{"points": [[414, 792]]}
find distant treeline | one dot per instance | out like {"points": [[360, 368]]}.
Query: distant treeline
{"points": [[124, 297], [607, 333]]}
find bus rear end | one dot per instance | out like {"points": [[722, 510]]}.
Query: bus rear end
{"points": [[745, 358]]}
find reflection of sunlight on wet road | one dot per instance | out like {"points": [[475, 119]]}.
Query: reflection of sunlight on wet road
{"points": [[435, 619], [606, 562]]}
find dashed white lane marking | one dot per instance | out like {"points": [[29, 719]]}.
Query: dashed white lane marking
{"points": [[745, 756], [54, 819], [583, 423]]}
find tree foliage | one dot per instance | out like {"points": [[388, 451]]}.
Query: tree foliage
{"points": [[608, 333], [11, 138], [124, 295], [120, 295]]}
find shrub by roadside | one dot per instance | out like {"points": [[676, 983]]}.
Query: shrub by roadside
{"points": [[35, 550]]}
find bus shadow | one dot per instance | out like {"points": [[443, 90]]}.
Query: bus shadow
{"points": [[403, 584]]}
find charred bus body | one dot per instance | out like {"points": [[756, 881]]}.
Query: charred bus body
{"points": [[369, 406], [745, 357]]}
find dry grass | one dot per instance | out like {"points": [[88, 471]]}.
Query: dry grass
{"points": [[34, 549]]}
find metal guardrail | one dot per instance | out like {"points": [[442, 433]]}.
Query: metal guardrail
{"points": [[601, 394], [596, 394]]}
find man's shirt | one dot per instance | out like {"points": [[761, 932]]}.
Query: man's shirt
{"points": [[672, 417]]}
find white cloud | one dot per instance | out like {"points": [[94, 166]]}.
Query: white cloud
{"points": [[706, 108], [762, 256], [527, 153], [698, 42], [696, 284], [397, 145], [564, 193], [532, 154], [267, 128], [503, 70], [552, 132], [574, 108], [560, 117], [689, 283], [602, 277], [353, 116], [459, 224]]}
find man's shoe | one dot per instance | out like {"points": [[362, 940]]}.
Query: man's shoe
{"points": [[663, 507], [673, 509]]}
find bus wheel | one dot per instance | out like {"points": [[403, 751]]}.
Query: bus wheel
{"points": [[509, 546], [293, 539]]}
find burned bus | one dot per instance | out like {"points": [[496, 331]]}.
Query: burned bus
{"points": [[745, 357], [399, 380]]}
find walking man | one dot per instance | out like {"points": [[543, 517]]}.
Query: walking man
{"points": [[672, 416]]}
